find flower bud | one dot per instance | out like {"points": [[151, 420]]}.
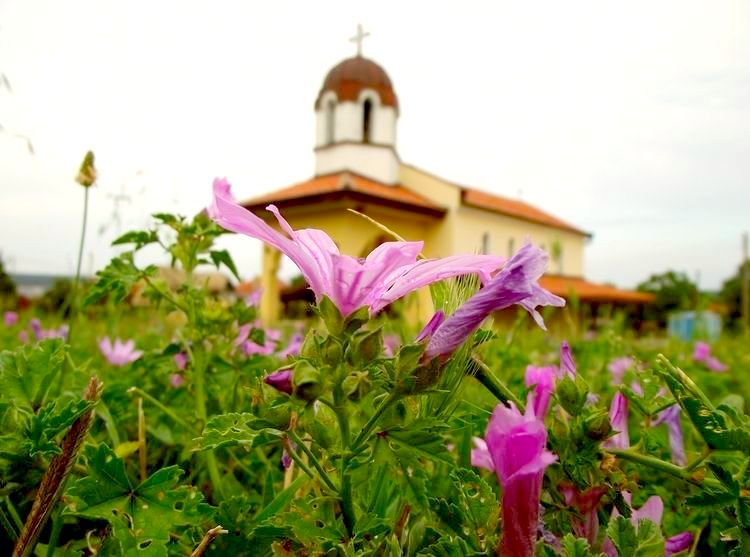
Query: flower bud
{"points": [[370, 346], [306, 381], [87, 172], [570, 396], [356, 385], [281, 380], [331, 352], [310, 347], [597, 426]]}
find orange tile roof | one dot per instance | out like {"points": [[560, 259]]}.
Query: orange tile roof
{"points": [[514, 208], [591, 292], [344, 184]]}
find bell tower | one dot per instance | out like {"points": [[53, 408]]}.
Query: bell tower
{"points": [[356, 113]]}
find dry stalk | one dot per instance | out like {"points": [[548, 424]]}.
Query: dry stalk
{"points": [[210, 536]]}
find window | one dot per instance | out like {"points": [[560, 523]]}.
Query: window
{"points": [[486, 243], [366, 120], [330, 120], [511, 246]]}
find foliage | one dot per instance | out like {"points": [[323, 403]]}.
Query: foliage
{"points": [[673, 291]]}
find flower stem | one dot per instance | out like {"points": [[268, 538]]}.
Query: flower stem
{"points": [[498, 389], [345, 493], [167, 411], [313, 459], [296, 458], [74, 293], [665, 467], [199, 380]]}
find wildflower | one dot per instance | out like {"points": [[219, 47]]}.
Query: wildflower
{"points": [[432, 325], [294, 346], [180, 360], [702, 353], [249, 347], [543, 381], [618, 416], [567, 364], [652, 510], [671, 417], [41, 333], [176, 380], [587, 504], [10, 318], [516, 444], [119, 353], [388, 273], [281, 380], [23, 336], [516, 283], [618, 367], [253, 299]]}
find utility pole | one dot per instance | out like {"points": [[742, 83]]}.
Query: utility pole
{"points": [[745, 279]]}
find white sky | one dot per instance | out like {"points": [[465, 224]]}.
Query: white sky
{"points": [[629, 119]]}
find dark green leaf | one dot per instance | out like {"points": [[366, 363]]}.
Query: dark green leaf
{"points": [[27, 373], [227, 430], [220, 257], [48, 422]]}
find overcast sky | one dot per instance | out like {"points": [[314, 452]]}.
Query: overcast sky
{"points": [[629, 119]]}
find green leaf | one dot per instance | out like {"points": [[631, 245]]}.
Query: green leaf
{"points": [[281, 500], [477, 498], [116, 280], [138, 237], [650, 540], [647, 541], [228, 430], [576, 547], [623, 535], [423, 437], [220, 257], [48, 422], [27, 373], [142, 516]]}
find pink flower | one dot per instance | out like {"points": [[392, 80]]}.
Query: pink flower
{"points": [[702, 353], [432, 325], [281, 380], [652, 510], [543, 381], [23, 336], [10, 318], [176, 380], [180, 360], [40, 333], [587, 504], [391, 344], [618, 367], [294, 346], [120, 353], [567, 364], [618, 417], [253, 299], [516, 444], [388, 273], [249, 347], [516, 283]]}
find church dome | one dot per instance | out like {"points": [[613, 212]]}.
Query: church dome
{"points": [[350, 77]]}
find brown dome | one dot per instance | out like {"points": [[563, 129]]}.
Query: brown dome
{"points": [[348, 78]]}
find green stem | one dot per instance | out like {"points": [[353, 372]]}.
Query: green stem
{"points": [[199, 380], [7, 525], [166, 295], [373, 421], [498, 389], [347, 503], [54, 537], [698, 461], [296, 458], [315, 462], [167, 411], [74, 295], [14, 513], [662, 466]]}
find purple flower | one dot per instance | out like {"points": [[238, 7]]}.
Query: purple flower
{"points": [[40, 333], [543, 381], [10, 318], [281, 380], [250, 348], [618, 367], [253, 299], [432, 325], [286, 459], [671, 417], [120, 353], [618, 416], [677, 543], [23, 336], [516, 444], [516, 283], [567, 364], [36, 328], [180, 360], [388, 273], [176, 380]]}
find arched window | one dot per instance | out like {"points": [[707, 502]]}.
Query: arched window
{"points": [[486, 243], [330, 120], [366, 120]]}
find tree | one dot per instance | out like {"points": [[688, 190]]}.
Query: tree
{"points": [[731, 296], [7, 286], [674, 291]]}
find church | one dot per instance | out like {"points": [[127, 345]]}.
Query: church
{"points": [[357, 166]]}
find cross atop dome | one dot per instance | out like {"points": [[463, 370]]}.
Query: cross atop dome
{"points": [[358, 38]]}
